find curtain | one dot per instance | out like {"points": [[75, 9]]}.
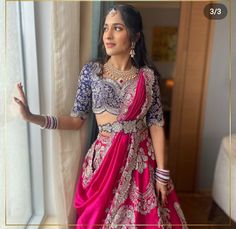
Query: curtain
{"points": [[14, 142], [67, 145], [70, 146], [99, 12]]}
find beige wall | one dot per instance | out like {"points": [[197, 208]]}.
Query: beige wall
{"points": [[86, 31]]}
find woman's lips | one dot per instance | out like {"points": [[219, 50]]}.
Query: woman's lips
{"points": [[110, 45]]}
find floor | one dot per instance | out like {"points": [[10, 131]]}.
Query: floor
{"points": [[196, 208]]}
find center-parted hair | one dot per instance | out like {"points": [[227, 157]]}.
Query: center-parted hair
{"points": [[133, 22]]}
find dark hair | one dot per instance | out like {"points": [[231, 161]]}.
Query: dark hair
{"points": [[133, 21]]}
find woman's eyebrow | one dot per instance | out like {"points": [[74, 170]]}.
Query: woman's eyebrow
{"points": [[117, 23]]}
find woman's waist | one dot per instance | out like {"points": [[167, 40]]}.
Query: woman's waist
{"points": [[127, 126]]}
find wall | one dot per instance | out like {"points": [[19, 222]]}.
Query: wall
{"points": [[163, 17], [216, 123]]}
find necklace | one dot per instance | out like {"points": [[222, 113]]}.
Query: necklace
{"points": [[119, 75]]}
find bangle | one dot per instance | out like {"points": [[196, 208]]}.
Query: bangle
{"points": [[162, 176], [51, 122]]}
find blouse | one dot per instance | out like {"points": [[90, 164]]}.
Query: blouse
{"points": [[99, 94]]}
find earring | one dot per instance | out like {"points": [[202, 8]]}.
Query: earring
{"points": [[132, 52]]}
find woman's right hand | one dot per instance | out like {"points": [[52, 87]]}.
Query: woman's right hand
{"points": [[22, 103]]}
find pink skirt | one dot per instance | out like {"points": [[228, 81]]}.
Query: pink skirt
{"points": [[118, 191]]}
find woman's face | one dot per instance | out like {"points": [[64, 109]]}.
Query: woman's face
{"points": [[115, 35]]}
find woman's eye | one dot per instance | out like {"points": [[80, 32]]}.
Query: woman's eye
{"points": [[105, 28], [118, 29]]}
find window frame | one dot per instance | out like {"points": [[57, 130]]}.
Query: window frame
{"points": [[31, 82]]}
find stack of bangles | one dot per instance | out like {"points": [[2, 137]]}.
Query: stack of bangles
{"points": [[51, 122], [162, 176]]}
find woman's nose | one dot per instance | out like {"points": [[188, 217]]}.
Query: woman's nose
{"points": [[109, 34]]}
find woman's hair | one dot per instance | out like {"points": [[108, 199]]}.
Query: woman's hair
{"points": [[133, 21]]}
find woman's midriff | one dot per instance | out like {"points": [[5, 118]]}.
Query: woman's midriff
{"points": [[105, 118]]}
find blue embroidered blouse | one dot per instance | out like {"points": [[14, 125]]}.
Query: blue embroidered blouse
{"points": [[99, 94]]}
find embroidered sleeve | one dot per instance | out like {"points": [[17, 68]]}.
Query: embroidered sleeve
{"points": [[83, 100], [155, 112]]}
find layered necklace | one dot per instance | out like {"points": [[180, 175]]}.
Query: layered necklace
{"points": [[119, 75]]}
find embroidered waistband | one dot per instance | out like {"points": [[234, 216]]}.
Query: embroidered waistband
{"points": [[126, 126]]}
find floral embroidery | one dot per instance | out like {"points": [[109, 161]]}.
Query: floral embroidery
{"points": [[128, 96], [83, 101], [141, 161], [146, 201], [155, 112], [125, 215], [100, 93], [94, 158], [164, 218], [87, 166], [124, 183], [104, 94]]}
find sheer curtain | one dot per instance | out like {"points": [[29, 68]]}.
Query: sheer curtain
{"points": [[76, 32], [67, 145], [18, 190]]}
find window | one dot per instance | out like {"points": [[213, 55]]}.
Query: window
{"points": [[24, 177]]}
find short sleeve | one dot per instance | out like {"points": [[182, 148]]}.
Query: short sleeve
{"points": [[155, 112], [83, 100]]}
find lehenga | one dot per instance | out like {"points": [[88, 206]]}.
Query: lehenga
{"points": [[116, 187]]}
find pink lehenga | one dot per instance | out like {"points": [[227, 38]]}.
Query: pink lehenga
{"points": [[116, 188]]}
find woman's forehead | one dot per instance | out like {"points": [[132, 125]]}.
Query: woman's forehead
{"points": [[114, 17]]}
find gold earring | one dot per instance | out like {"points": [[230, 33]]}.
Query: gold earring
{"points": [[132, 52]]}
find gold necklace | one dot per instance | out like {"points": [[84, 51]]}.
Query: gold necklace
{"points": [[120, 75]]}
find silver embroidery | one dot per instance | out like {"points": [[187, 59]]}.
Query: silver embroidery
{"points": [[146, 201], [164, 218], [126, 126], [94, 158], [181, 215], [155, 112], [108, 94], [124, 218], [124, 183], [141, 161]]}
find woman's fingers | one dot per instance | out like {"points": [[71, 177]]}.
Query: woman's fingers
{"points": [[164, 198], [162, 193], [22, 94], [19, 101]]}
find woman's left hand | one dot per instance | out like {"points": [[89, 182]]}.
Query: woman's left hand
{"points": [[161, 190]]}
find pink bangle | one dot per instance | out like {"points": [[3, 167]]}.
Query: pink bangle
{"points": [[51, 122]]}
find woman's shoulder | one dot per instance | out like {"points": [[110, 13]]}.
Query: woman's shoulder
{"points": [[148, 71], [91, 67]]}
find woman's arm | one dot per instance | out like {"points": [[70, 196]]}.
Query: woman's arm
{"points": [[158, 141], [64, 122]]}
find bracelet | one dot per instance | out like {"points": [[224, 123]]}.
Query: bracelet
{"points": [[51, 122], [162, 176]]}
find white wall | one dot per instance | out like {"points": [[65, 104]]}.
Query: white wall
{"points": [[216, 124], [160, 17]]}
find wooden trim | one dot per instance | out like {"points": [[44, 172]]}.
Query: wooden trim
{"points": [[177, 99], [189, 95]]}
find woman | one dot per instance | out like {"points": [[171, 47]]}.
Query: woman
{"points": [[124, 182]]}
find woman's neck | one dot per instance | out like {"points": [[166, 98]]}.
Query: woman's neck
{"points": [[122, 64]]}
